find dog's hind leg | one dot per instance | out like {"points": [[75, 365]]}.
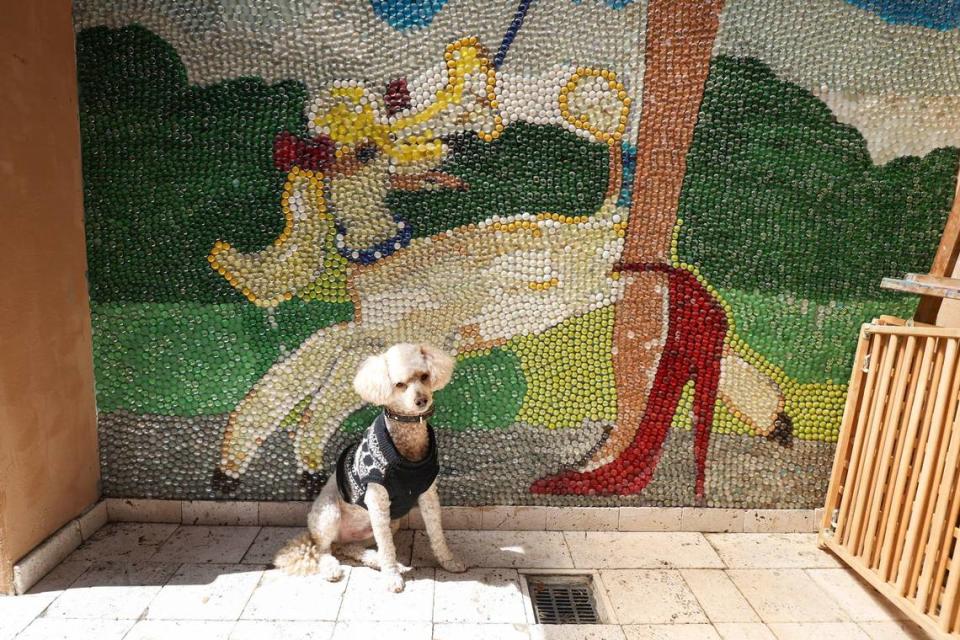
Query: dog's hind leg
{"points": [[323, 524], [331, 404], [310, 552], [361, 553]]}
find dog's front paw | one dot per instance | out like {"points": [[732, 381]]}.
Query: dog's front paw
{"points": [[453, 565], [394, 581], [330, 568]]}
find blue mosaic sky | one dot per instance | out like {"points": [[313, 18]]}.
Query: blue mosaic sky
{"points": [[933, 14]]}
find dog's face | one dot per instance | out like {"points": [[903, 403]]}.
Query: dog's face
{"points": [[404, 377]]}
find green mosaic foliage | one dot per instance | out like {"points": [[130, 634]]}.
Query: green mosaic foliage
{"points": [[784, 211], [187, 359], [153, 205], [779, 196], [811, 340], [485, 393], [528, 169]]}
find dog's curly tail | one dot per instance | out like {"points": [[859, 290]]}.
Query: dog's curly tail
{"points": [[299, 557]]}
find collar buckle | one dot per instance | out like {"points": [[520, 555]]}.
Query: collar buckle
{"points": [[399, 417]]}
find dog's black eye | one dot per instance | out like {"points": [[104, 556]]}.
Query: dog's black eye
{"points": [[366, 152], [401, 385], [424, 377]]}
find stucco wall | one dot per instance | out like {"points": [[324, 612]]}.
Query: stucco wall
{"points": [[48, 447]]}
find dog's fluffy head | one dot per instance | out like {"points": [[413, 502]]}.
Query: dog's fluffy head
{"points": [[404, 377]]}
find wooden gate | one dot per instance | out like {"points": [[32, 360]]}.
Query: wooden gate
{"points": [[892, 505]]}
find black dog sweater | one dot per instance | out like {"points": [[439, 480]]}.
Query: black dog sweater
{"points": [[375, 459]]}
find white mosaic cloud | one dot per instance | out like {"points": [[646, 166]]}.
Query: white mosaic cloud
{"points": [[899, 85], [293, 40], [896, 125]]}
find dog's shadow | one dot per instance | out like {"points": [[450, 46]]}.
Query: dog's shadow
{"points": [[505, 557]]}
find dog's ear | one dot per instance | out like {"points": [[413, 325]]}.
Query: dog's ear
{"points": [[439, 364], [372, 382]]}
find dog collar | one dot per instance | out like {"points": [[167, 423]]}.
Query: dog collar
{"points": [[399, 417]]}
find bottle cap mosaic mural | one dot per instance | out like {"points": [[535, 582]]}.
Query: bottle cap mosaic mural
{"points": [[648, 232]]}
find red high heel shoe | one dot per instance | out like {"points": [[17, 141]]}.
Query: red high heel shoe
{"points": [[693, 350]]}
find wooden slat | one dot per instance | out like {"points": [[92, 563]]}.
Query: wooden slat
{"points": [[939, 499], [928, 592], [936, 456], [875, 354], [906, 581], [949, 546], [901, 565], [896, 406], [948, 615], [842, 452], [889, 509], [944, 261], [901, 472], [900, 322], [940, 281], [915, 330], [949, 620], [920, 288], [865, 467], [941, 538]]}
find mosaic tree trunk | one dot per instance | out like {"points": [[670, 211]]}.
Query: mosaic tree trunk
{"points": [[659, 300]]}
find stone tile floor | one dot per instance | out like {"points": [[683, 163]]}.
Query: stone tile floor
{"points": [[159, 581]]}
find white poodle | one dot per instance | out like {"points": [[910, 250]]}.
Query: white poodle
{"points": [[378, 479]]}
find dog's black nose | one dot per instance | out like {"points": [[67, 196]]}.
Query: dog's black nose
{"points": [[421, 402]]}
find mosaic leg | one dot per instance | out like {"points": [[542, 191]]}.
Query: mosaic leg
{"points": [[704, 401], [309, 370], [642, 329], [694, 348], [333, 402], [756, 397]]}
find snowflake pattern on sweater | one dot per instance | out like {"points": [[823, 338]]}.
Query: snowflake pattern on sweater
{"points": [[376, 460]]}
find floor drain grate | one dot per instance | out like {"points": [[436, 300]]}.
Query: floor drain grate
{"points": [[563, 599]]}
